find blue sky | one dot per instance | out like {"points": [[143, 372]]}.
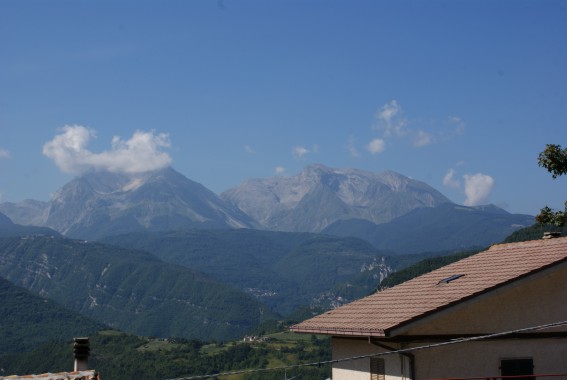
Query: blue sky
{"points": [[462, 95]]}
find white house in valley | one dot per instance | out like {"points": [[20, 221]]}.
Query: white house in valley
{"points": [[505, 288]]}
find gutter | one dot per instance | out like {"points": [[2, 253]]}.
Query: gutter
{"points": [[361, 333]]}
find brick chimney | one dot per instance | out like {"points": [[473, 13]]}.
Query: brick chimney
{"points": [[81, 351], [551, 235]]}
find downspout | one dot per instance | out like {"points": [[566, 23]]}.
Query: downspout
{"points": [[410, 356]]}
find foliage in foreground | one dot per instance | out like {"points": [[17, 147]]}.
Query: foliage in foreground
{"points": [[554, 160]]}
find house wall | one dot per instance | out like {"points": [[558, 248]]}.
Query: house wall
{"points": [[397, 367], [482, 359], [534, 301]]}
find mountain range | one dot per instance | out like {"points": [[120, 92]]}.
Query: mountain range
{"points": [[387, 209], [158, 254]]}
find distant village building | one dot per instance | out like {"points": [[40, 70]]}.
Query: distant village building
{"points": [[505, 288]]}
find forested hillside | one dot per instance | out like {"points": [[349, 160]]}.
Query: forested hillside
{"points": [[128, 289], [283, 270], [28, 320]]}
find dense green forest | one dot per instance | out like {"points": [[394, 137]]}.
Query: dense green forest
{"points": [[29, 320], [130, 290], [283, 270], [118, 355]]}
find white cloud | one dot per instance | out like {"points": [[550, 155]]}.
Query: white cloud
{"points": [[422, 138], [351, 147], [249, 149], [299, 152], [376, 146], [457, 124], [279, 170], [450, 181], [477, 188], [390, 119], [4, 153], [142, 152]]}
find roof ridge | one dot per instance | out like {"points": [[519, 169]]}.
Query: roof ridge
{"points": [[556, 240]]}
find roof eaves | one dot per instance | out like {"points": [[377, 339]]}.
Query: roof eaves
{"points": [[349, 332]]}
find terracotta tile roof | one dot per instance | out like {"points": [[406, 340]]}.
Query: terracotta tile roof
{"points": [[376, 314], [78, 375]]}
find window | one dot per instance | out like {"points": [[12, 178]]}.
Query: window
{"points": [[515, 367], [377, 369], [449, 279]]}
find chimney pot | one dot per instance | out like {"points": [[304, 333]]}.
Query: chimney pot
{"points": [[81, 352], [551, 234]]}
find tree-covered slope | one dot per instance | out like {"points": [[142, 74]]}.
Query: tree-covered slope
{"points": [[28, 320], [130, 290], [284, 270]]}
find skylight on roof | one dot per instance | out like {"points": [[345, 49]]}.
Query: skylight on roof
{"points": [[449, 279]]}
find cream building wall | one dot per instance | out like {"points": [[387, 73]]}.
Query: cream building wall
{"points": [[397, 366]]}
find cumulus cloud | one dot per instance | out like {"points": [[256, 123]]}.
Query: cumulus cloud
{"points": [[422, 138], [391, 120], [142, 152], [299, 152], [450, 181], [4, 153], [477, 188], [279, 170], [376, 146], [457, 125], [351, 147]]}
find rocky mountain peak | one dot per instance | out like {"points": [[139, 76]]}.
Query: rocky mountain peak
{"points": [[103, 203], [319, 196]]}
